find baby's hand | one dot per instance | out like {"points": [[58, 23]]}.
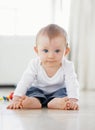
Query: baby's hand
{"points": [[72, 104], [16, 103]]}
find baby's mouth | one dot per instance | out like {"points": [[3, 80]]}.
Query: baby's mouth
{"points": [[50, 61]]}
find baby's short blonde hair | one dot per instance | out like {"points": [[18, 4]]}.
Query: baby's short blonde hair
{"points": [[52, 31]]}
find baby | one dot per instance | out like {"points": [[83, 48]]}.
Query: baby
{"points": [[50, 79]]}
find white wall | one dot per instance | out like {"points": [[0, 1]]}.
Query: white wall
{"points": [[15, 53]]}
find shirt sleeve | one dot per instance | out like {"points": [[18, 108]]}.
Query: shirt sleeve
{"points": [[71, 81], [26, 80]]}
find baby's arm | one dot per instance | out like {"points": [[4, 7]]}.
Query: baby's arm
{"points": [[16, 103], [72, 85]]}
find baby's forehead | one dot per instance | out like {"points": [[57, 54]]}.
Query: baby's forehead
{"points": [[48, 39], [53, 43]]}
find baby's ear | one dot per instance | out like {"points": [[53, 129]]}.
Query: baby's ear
{"points": [[67, 50], [36, 49]]}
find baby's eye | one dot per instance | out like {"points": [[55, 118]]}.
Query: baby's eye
{"points": [[45, 50], [57, 50]]}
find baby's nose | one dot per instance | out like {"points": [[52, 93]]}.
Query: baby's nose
{"points": [[51, 54]]}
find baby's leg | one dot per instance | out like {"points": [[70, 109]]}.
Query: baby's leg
{"points": [[30, 103], [58, 103]]}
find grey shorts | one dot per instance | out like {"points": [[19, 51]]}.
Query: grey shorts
{"points": [[45, 97]]}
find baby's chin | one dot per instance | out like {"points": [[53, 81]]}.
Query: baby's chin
{"points": [[52, 64]]}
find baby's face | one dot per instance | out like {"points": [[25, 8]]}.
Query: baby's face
{"points": [[51, 51]]}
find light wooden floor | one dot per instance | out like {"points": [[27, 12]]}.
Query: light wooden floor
{"points": [[45, 119]]}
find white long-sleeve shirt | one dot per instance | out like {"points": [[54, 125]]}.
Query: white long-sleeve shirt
{"points": [[36, 76]]}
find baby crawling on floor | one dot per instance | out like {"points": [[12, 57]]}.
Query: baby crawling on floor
{"points": [[50, 79]]}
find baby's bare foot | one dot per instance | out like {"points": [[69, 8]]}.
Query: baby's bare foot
{"points": [[58, 103], [30, 103]]}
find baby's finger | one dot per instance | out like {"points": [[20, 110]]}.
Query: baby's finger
{"points": [[68, 105], [14, 106], [72, 106], [21, 106], [76, 107], [8, 107], [17, 105]]}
